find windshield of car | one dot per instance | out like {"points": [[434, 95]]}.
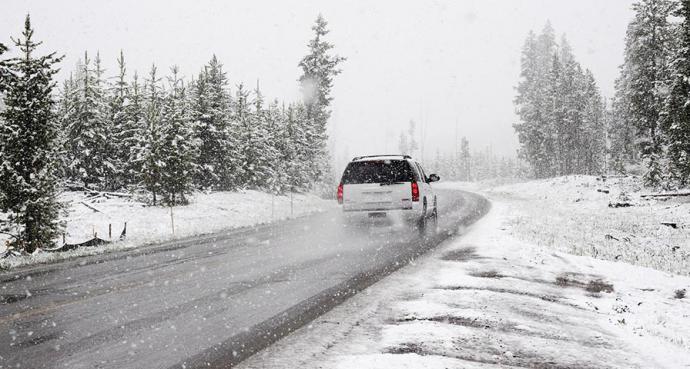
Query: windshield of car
{"points": [[378, 171]]}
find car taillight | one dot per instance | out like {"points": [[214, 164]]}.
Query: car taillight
{"points": [[415, 191], [340, 193]]}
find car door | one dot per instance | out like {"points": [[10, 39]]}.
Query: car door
{"points": [[428, 191]]}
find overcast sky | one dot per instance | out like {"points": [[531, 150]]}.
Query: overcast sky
{"points": [[441, 63]]}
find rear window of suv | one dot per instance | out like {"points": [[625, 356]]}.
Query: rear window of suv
{"points": [[378, 171]]}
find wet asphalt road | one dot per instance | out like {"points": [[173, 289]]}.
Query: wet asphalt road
{"points": [[207, 301]]}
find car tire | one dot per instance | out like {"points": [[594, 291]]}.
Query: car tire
{"points": [[422, 221], [433, 224]]}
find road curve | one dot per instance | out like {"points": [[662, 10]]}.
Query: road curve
{"points": [[208, 301]]}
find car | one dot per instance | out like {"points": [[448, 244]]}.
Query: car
{"points": [[389, 185]]}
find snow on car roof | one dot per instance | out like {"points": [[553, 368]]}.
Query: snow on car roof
{"points": [[381, 157]]}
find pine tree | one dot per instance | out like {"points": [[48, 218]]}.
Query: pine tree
{"points": [[178, 148], [219, 158], [279, 141], [296, 148], [244, 122], [121, 133], [535, 104], [28, 140], [593, 139], [644, 79], [150, 149], [4, 72], [131, 135], [412, 143], [319, 68], [87, 130], [561, 124], [466, 160], [676, 120]]}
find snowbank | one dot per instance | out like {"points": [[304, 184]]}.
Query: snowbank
{"points": [[609, 220], [206, 213]]}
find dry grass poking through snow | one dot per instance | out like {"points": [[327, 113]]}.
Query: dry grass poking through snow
{"points": [[585, 215]]}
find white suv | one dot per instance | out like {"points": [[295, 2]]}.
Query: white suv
{"points": [[388, 184]]}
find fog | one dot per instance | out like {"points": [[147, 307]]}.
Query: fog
{"points": [[449, 65]]}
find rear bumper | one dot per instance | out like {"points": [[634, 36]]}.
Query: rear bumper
{"points": [[407, 212]]}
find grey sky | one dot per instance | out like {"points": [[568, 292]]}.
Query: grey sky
{"points": [[434, 61]]}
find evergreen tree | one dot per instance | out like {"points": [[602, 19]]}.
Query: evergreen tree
{"points": [[219, 158], [561, 112], [465, 160], [87, 130], [150, 149], [121, 133], [4, 72], [676, 120], [412, 143], [319, 68], [593, 139], [178, 148], [28, 146], [296, 148], [644, 80], [131, 135], [245, 123]]}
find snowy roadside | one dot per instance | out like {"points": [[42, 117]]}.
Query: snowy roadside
{"points": [[610, 220], [489, 300], [207, 213]]}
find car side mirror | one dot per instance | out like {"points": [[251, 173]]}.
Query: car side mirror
{"points": [[434, 178]]}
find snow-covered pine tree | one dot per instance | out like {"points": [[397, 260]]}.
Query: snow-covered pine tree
{"points": [[106, 150], [569, 124], [412, 142], [551, 152], [120, 132], [219, 157], [297, 148], [555, 99], [593, 137], [641, 90], [4, 72], [178, 148], [131, 135], [248, 135], [87, 130], [676, 119], [149, 151], [535, 103], [621, 133], [28, 147], [319, 67], [65, 111], [465, 160], [274, 125]]}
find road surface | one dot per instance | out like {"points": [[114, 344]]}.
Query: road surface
{"points": [[203, 302]]}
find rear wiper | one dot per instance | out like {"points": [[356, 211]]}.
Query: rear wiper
{"points": [[390, 183]]}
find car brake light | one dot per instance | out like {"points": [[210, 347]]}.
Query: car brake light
{"points": [[415, 191], [340, 193]]}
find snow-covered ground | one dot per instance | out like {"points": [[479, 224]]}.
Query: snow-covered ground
{"points": [[207, 213], [494, 299], [572, 214]]}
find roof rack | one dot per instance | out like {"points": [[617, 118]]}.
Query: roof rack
{"points": [[377, 156]]}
